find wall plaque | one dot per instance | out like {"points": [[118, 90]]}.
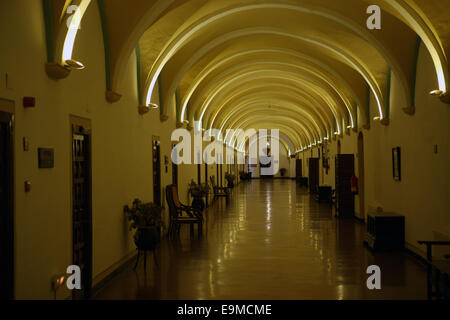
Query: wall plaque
{"points": [[46, 158]]}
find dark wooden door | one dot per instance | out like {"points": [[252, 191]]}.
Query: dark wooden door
{"points": [[6, 208], [156, 172], [174, 171], [206, 182], [298, 169], [345, 199], [82, 208], [313, 175]]}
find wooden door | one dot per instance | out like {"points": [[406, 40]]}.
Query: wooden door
{"points": [[298, 169], [82, 208], [313, 175], [345, 200], [156, 171], [6, 208], [361, 176], [207, 182], [174, 171]]}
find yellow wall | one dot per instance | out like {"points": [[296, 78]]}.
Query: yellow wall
{"points": [[122, 152], [425, 187]]}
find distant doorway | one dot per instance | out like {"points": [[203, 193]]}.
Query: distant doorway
{"points": [[156, 171], [6, 207], [82, 205], [361, 175]]}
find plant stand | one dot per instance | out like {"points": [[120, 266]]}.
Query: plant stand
{"points": [[147, 239], [145, 258], [198, 203]]}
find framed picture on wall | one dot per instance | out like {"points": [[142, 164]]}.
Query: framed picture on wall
{"points": [[396, 164]]}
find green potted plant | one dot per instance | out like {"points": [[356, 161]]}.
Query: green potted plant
{"points": [[230, 178], [283, 172], [146, 219], [198, 191]]}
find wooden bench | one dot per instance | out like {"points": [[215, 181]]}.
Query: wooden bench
{"points": [[438, 272], [219, 191], [177, 218]]}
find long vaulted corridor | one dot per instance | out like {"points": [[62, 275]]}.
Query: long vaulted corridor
{"points": [[272, 241], [307, 139]]}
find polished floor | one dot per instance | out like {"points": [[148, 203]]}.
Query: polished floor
{"points": [[271, 241]]}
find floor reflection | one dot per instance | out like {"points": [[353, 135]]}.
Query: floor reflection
{"points": [[271, 241]]}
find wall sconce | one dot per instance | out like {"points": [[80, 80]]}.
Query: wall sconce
{"points": [[145, 109], [74, 65], [436, 93]]}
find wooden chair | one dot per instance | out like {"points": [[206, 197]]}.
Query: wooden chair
{"points": [[438, 272], [219, 191], [176, 210]]}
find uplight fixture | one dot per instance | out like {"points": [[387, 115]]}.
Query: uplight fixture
{"points": [[436, 93], [74, 64]]}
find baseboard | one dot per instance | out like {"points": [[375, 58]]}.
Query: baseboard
{"points": [[106, 276]]}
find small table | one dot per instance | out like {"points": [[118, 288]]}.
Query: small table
{"points": [[324, 193], [303, 182], [385, 231]]}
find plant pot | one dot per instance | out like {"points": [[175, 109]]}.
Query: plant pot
{"points": [[198, 203], [147, 238], [230, 184]]}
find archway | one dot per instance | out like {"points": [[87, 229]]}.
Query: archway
{"points": [[361, 175]]}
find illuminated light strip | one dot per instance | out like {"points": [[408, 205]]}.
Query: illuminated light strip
{"points": [[429, 37], [304, 126], [280, 140], [71, 35], [293, 134], [241, 146], [332, 16], [281, 125], [305, 83], [318, 65], [310, 105], [321, 77]]}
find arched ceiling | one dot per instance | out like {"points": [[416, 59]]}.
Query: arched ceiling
{"points": [[303, 66]]}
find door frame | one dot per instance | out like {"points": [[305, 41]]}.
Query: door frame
{"points": [[7, 113], [86, 123], [361, 168], [160, 200]]}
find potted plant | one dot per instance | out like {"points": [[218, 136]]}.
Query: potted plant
{"points": [[198, 191], [245, 175], [283, 172], [230, 178], [147, 220]]}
